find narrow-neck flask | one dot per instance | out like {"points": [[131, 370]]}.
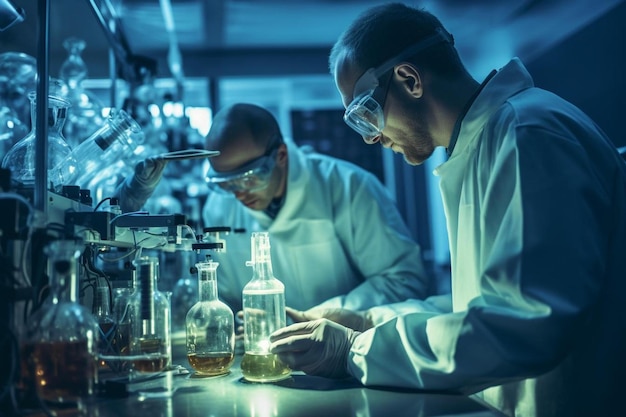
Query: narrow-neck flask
{"points": [[62, 334], [264, 313], [85, 115], [210, 327], [97, 156], [150, 344], [20, 159]]}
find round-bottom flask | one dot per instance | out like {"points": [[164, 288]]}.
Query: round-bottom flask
{"points": [[210, 327], [264, 313]]}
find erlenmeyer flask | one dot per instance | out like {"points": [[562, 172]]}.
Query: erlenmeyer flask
{"points": [[85, 115], [20, 159]]}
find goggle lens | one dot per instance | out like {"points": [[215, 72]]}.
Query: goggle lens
{"points": [[253, 177], [365, 116]]}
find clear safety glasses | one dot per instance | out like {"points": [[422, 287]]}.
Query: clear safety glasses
{"points": [[365, 113], [251, 177]]}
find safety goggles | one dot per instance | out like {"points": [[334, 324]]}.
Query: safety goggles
{"points": [[253, 176], [365, 113]]}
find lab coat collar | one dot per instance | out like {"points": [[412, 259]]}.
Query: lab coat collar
{"points": [[297, 178], [508, 81], [457, 125]]}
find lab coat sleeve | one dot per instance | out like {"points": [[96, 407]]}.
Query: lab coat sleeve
{"points": [[535, 224], [436, 304], [379, 244]]}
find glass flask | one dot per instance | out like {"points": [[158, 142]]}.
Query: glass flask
{"points": [[85, 115], [62, 335], [210, 327], [11, 129], [96, 157], [149, 309], [20, 159], [18, 76], [264, 313]]}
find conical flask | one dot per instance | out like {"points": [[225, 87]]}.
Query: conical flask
{"points": [[85, 115], [20, 159], [264, 313], [210, 327], [61, 336]]}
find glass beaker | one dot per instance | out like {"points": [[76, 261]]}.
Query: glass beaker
{"points": [[210, 327], [264, 313], [150, 345], [20, 159], [61, 336]]}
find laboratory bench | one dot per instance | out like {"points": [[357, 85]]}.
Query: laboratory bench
{"points": [[299, 395]]}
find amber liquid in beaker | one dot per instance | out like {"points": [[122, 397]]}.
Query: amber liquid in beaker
{"points": [[211, 364], [152, 361]]}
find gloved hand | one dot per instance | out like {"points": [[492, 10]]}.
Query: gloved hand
{"points": [[319, 347], [135, 191], [239, 328], [356, 320]]}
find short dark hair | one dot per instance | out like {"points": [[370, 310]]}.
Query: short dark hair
{"points": [[384, 31], [250, 118]]}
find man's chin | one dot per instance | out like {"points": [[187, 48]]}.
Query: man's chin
{"points": [[413, 161]]}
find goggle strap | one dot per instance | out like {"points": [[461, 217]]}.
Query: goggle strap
{"points": [[440, 35]]}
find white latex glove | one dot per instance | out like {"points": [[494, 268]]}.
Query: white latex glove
{"points": [[135, 191], [356, 320], [319, 347]]}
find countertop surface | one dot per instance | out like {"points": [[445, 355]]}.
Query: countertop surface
{"points": [[299, 395]]}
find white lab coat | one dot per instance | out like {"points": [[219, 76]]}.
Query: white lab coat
{"points": [[535, 201], [338, 239]]}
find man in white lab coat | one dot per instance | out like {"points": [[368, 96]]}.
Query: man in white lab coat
{"points": [[535, 200], [330, 222]]}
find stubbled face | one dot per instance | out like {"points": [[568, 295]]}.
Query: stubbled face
{"points": [[238, 153], [406, 128]]}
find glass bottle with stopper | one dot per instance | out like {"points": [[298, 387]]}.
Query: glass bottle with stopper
{"points": [[264, 313], [210, 329]]}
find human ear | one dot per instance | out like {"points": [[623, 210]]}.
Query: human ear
{"points": [[410, 79], [282, 155]]}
